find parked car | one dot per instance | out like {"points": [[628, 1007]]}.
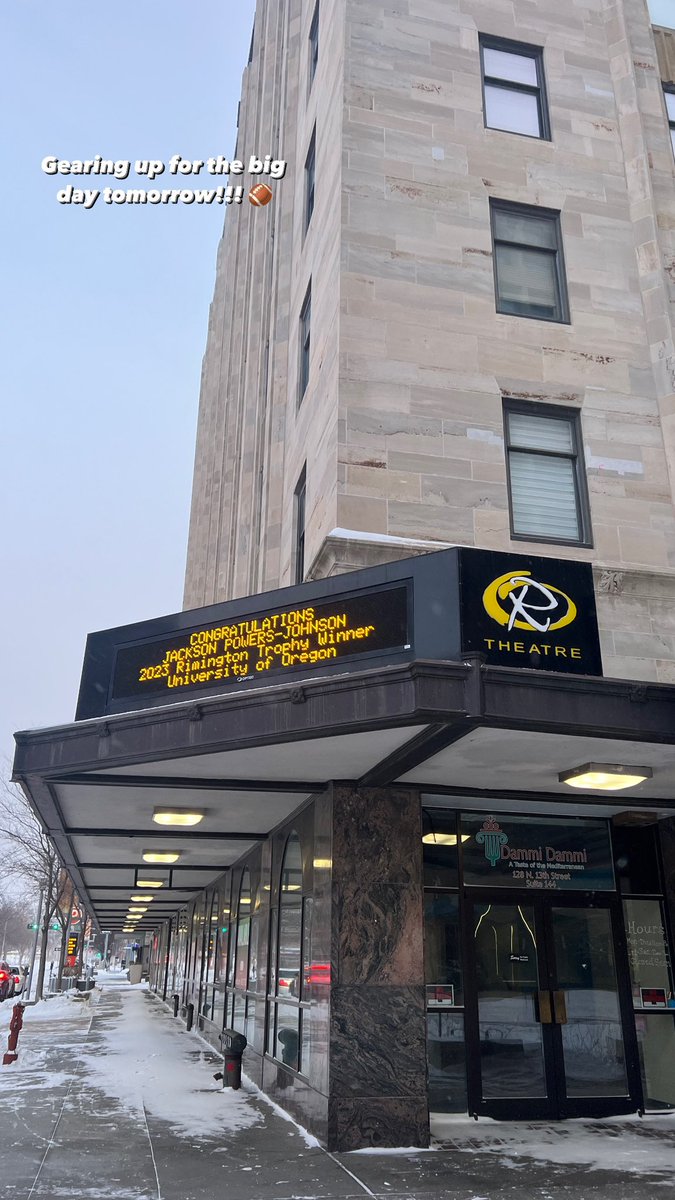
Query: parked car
{"points": [[6, 981], [18, 979]]}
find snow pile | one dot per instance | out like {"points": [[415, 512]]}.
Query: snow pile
{"points": [[630, 1144]]}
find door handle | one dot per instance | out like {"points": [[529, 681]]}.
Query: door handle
{"points": [[543, 1008], [560, 1007]]}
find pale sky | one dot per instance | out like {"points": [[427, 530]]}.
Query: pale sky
{"points": [[662, 12], [103, 316]]}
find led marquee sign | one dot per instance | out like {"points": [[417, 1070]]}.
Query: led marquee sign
{"points": [[514, 610], [269, 643]]}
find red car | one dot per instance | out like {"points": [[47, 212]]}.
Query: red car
{"points": [[6, 981]]}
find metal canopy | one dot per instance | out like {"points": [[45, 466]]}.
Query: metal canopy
{"points": [[249, 760]]}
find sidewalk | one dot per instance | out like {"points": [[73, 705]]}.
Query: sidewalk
{"points": [[117, 1102]]}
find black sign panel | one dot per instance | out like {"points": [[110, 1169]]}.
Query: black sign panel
{"points": [[544, 854], [268, 643], [522, 611], [518, 611]]}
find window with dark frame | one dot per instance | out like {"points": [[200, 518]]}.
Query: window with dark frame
{"points": [[669, 96], [305, 342], [548, 497], [514, 90], [313, 45], [299, 540], [528, 261], [285, 1008], [310, 179]]}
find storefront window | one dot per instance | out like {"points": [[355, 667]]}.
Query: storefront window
{"points": [[636, 859], [284, 1031], [241, 954], [442, 965], [211, 943], [212, 935], [181, 953], [446, 1062], [656, 1043], [653, 994], [196, 950], [650, 968], [439, 845]]}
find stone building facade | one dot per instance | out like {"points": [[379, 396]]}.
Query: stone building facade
{"points": [[437, 874], [401, 425]]}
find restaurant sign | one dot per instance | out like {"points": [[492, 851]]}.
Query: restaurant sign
{"points": [[534, 853]]}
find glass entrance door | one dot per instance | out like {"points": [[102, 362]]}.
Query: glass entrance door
{"points": [[550, 1020]]}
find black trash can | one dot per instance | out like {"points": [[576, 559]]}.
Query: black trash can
{"points": [[233, 1044]]}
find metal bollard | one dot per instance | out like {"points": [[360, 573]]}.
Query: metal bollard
{"points": [[189, 1016], [176, 1003], [15, 1026]]}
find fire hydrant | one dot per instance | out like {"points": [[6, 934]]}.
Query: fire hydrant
{"points": [[15, 1025]]}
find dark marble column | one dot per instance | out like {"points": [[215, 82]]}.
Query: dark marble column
{"points": [[378, 1081]]}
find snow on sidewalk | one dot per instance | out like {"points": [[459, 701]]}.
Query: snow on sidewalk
{"points": [[626, 1144], [123, 1044], [145, 1061]]}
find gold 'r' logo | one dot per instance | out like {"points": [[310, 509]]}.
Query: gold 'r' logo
{"points": [[528, 600]]}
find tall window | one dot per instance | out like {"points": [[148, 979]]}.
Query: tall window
{"points": [[210, 953], [547, 483], [528, 261], [669, 95], [241, 953], [313, 45], [299, 540], [310, 179], [305, 340], [513, 87], [285, 982]]}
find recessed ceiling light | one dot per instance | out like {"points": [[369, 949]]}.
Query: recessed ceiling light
{"points": [[605, 777], [444, 839], [128, 929], [137, 896], [322, 863], [161, 856], [150, 883], [177, 816], [137, 909]]}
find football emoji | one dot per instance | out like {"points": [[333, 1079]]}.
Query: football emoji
{"points": [[260, 195]]}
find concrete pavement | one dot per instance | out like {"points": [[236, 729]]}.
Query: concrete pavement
{"points": [[113, 1099]]}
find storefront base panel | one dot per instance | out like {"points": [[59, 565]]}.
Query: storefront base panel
{"points": [[292, 1093], [374, 1121]]}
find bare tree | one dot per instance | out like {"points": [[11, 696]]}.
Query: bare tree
{"points": [[29, 856], [15, 937], [63, 913]]}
